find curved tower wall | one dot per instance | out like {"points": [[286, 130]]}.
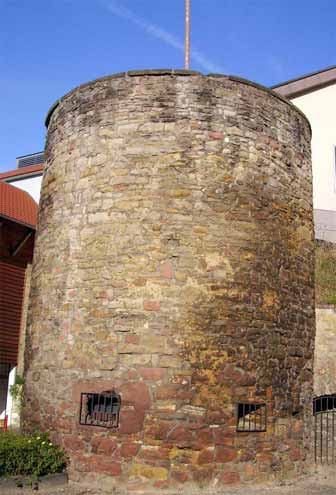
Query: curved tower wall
{"points": [[174, 265]]}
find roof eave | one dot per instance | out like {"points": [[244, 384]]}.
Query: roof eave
{"points": [[307, 84], [22, 176], [19, 222]]}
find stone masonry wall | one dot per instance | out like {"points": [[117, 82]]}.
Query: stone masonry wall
{"points": [[174, 264]]}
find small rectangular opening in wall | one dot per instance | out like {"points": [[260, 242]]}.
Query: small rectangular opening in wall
{"points": [[251, 416], [100, 409], [324, 403]]}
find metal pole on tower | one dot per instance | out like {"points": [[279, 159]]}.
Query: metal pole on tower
{"points": [[187, 35]]}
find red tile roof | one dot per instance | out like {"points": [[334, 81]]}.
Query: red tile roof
{"points": [[17, 205], [22, 171]]}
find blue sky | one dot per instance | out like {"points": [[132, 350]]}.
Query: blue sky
{"points": [[47, 47]]}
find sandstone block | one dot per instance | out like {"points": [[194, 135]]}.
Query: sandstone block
{"points": [[149, 472]]}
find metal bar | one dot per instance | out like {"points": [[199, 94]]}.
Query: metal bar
{"points": [[333, 436], [95, 406], [315, 438], [187, 35], [321, 435], [104, 410], [327, 435], [80, 409], [21, 243]]}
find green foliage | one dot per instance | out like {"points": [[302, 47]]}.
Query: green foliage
{"points": [[19, 380], [331, 299], [16, 391], [29, 455], [325, 273]]}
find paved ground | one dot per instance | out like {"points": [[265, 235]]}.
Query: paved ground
{"points": [[324, 484], [306, 488]]}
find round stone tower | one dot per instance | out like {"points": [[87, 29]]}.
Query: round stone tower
{"points": [[174, 267]]}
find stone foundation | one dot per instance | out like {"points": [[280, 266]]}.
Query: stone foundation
{"points": [[174, 264]]}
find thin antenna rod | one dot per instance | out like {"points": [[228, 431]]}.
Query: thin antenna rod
{"points": [[187, 35]]}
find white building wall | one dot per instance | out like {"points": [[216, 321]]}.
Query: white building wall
{"points": [[10, 413], [320, 108], [31, 185]]}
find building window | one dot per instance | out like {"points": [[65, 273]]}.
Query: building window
{"points": [[251, 416], [100, 409]]}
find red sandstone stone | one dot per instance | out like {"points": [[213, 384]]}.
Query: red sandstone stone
{"points": [[298, 426], [106, 446], [60, 424], [223, 435], [216, 135], [151, 305], [130, 375], [98, 386], [166, 392], [73, 443], [101, 464], [136, 394], [238, 376], [120, 187], [166, 270], [295, 454], [196, 423], [250, 470], [132, 339], [63, 407], [131, 421], [96, 464], [153, 374], [229, 478], [182, 457], [202, 475], [180, 436], [158, 430], [139, 282], [225, 454], [264, 457], [203, 438], [156, 453], [216, 417], [247, 455], [129, 449], [179, 475], [180, 380], [206, 456]]}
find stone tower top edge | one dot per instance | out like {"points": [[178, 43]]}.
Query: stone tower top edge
{"points": [[172, 73]]}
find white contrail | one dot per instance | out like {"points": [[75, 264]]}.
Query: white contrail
{"points": [[159, 33]]}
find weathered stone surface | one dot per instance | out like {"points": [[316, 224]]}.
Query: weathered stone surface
{"points": [[174, 265], [225, 454], [150, 472]]}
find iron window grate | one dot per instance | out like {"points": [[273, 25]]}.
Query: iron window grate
{"points": [[100, 409], [324, 411], [324, 403], [251, 417]]}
